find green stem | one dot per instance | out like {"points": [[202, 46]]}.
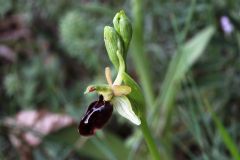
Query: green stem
{"points": [[142, 67], [149, 139], [139, 58]]}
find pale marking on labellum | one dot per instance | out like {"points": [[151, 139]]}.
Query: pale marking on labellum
{"points": [[94, 110]]}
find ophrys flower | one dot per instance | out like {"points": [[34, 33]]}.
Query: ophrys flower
{"points": [[112, 96]]}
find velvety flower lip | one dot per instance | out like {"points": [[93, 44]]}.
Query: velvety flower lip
{"points": [[96, 116]]}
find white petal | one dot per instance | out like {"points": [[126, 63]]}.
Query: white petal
{"points": [[124, 108]]}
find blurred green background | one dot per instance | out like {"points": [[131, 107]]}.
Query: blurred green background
{"points": [[184, 54]]}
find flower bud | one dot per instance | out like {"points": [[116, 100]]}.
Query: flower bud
{"points": [[113, 44], [124, 28]]}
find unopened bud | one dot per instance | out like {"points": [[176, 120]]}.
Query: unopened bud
{"points": [[113, 44], [124, 28]]}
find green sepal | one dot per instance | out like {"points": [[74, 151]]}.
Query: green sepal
{"points": [[98, 88], [136, 97]]}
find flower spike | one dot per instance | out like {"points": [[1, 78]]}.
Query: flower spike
{"points": [[114, 94]]}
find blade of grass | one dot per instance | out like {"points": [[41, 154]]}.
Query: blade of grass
{"points": [[188, 20], [228, 141], [193, 116], [139, 58], [180, 64]]}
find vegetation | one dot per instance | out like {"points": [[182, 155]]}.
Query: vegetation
{"points": [[183, 54]]}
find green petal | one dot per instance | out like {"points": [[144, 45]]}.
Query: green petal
{"points": [[121, 90], [121, 70], [124, 108]]}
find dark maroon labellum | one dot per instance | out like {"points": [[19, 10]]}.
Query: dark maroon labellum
{"points": [[98, 113]]}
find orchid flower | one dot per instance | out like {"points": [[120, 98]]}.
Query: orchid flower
{"points": [[111, 96]]}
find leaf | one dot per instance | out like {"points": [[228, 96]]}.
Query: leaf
{"points": [[179, 66], [232, 147], [192, 50]]}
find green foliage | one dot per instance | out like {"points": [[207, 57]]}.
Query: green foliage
{"points": [[59, 49], [227, 139], [12, 84], [178, 68], [73, 28]]}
